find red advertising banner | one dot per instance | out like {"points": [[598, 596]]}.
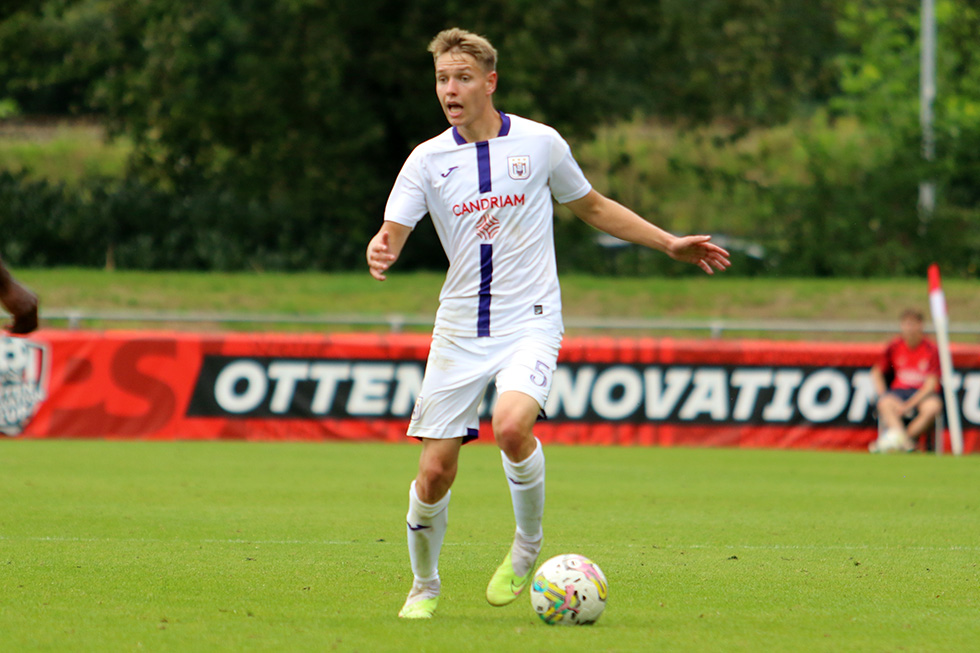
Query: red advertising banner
{"points": [[654, 392]]}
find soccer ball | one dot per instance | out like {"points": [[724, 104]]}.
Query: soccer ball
{"points": [[569, 590], [890, 441]]}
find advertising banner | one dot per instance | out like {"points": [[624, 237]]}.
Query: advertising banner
{"points": [[609, 391]]}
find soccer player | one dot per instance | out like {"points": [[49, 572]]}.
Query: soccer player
{"points": [[20, 302], [487, 182], [913, 362]]}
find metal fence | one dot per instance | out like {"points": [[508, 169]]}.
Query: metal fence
{"points": [[397, 322]]}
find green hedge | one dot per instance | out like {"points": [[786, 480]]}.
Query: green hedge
{"points": [[103, 222], [860, 228]]}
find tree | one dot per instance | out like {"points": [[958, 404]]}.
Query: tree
{"points": [[295, 115]]}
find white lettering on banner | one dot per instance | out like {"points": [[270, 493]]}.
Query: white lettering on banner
{"points": [[286, 374], [864, 396], [243, 386], [971, 398], [408, 385], [251, 396], [17, 404], [327, 377], [605, 404], [369, 394], [592, 391], [485, 410], [749, 383], [956, 381], [709, 395], [815, 410], [570, 391], [781, 408], [661, 401]]}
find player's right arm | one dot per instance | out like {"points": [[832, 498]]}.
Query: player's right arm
{"points": [[20, 301], [878, 380], [385, 247], [881, 367]]}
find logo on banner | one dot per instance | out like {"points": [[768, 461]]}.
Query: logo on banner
{"points": [[24, 368], [734, 395], [519, 167]]}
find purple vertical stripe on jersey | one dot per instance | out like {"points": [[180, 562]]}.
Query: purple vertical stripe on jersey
{"points": [[486, 276], [483, 166], [504, 124]]}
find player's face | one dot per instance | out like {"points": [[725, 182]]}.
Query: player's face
{"points": [[911, 330], [464, 88]]}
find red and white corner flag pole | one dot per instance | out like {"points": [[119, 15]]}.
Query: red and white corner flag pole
{"points": [[937, 303]]}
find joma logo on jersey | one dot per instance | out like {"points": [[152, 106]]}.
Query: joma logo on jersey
{"points": [[519, 167], [487, 203]]}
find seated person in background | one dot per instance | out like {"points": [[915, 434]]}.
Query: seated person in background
{"points": [[19, 301], [913, 363]]}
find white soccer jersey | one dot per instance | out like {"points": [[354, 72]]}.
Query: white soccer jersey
{"points": [[491, 205]]}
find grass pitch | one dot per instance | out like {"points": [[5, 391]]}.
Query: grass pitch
{"points": [[222, 546]]}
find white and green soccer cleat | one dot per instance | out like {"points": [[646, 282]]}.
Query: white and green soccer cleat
{"points": [[419, 609], [421, 602], [506, 585]]}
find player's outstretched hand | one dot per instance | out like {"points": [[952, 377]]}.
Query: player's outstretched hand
{"points": [[379, 256], [701, 252], [22, 304]]}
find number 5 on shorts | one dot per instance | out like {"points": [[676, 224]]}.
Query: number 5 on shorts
{"points": [[540, 376]]}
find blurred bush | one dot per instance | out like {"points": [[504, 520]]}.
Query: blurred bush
{"points": [[106, 222]]}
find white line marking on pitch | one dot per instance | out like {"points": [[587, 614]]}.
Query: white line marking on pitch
{"points": [[678, 547]]}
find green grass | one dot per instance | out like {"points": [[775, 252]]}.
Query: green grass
{"points": [[66, 152], [223, 546], [583, 296]]}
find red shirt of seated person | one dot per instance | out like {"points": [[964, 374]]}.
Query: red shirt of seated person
{"points": [[913, 362]]}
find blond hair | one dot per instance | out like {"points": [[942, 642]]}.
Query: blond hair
{"points": [[459, 40]]}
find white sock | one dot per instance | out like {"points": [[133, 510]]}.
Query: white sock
{"points": [[426, 529], [526, 481], [524, 553], [422, 591]]}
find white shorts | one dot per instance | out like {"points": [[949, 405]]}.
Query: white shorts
{"points": [[459, 370]]}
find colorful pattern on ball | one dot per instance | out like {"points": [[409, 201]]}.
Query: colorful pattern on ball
{"points": [[570, 590]]}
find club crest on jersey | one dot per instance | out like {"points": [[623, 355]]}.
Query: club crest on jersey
{"points": [[487, 226], [519, 167], [24, 371]]}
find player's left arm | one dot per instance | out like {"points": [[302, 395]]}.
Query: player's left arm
{"points": [[930, 385], [615, 219], [20, 301]]}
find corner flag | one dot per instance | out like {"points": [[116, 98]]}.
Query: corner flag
{"points": [[937, 303]]}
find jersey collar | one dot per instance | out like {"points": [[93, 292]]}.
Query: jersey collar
{"points": [[504, 129]]}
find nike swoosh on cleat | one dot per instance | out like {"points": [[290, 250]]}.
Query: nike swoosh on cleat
{"points": [[417, 527]]}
